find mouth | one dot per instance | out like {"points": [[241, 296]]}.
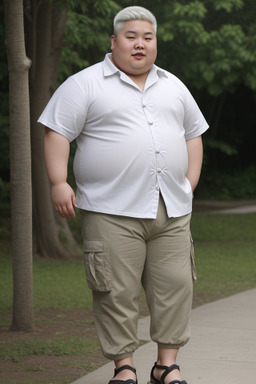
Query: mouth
{"points": [[138, 55]]}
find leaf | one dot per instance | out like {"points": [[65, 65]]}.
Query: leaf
{"points": [[228, 5]]}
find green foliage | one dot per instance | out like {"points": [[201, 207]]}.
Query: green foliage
{"points": [[193, 9], [208, 44], [86, 37], [227, 184], [227, 5]]}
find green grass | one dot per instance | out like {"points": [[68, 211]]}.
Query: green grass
{"points": [[223, 228], [88, 367], [68, 346], [57, 285], [225, 252]]}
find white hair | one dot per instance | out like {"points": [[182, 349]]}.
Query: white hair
{"points": [[133, 13]]}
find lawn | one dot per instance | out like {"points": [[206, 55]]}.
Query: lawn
{"points": [[225, 251]]}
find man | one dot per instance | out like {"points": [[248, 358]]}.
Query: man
{"points": [[138, 160]]}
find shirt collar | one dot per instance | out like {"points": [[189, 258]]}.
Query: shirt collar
{"points": [[110, 69]]}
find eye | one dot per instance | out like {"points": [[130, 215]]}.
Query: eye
{"points": [[130, 37]]}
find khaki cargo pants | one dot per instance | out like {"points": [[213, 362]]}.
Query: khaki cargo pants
{"points": [[123, 252]]}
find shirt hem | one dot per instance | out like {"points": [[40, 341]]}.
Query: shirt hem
{"points": [[133, 215]]}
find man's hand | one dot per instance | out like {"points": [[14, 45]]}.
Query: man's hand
{"points": [[64, 200], [195, 159]]}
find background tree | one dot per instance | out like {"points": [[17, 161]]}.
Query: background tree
{"points": [[45, 23], [20, 158]]}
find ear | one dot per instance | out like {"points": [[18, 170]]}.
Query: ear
{"points": [[112, 41]]}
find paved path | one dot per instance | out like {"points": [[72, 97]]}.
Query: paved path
{"points": [[222, 349], [225, 207], [237, 210]]}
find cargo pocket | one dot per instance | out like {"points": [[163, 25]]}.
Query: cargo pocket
{"points": [[192, 259], [97, 266]]}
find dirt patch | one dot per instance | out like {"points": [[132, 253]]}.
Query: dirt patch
{"points": [[51, 369], [49, 325], [48, 369]]}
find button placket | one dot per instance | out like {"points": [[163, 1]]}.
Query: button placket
{"points": [[150, 122]]}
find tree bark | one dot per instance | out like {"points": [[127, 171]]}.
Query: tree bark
{"points": [[20, 165], [45, 34]]}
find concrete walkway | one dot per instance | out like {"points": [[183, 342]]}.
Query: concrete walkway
{"points": [[222, 348], [232, 207]]}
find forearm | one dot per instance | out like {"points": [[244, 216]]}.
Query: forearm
{"points": [[195, 159], [56, 153]]}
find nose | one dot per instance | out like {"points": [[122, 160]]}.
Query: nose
{"points": [[139, 44]]}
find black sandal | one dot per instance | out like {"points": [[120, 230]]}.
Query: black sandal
{"points": [[129, 381], [167, 370]]}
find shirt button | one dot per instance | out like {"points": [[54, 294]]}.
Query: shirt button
{"points": [[157, 151], [150, 122], [159, 170]]}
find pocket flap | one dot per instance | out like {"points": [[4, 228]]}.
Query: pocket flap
{"points": [[93, 246]]}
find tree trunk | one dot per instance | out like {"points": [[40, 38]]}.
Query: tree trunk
{"points": [[20, 165], [45, 36]]}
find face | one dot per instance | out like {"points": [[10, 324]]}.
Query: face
{"points": [[134, 48]]}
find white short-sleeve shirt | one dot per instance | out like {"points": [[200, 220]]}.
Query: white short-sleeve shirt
{"points": [[130, 144]]}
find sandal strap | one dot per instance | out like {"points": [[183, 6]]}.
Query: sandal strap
{"points": [[178, 382], [128, 381], [167, 370], [156, 381], [124, 367]]}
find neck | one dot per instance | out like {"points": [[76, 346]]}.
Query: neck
{"points": [[139, 80]]}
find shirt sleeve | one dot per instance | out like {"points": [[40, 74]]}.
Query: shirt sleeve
{"points": [[194, 121], [66, 111]]}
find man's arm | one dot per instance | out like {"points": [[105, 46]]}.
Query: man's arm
{"points": [[56, 153], [195, 159]]}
